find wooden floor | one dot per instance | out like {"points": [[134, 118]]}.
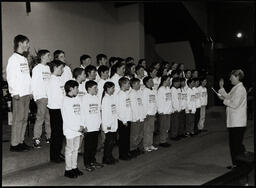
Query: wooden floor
{"points": [[191, 161]]}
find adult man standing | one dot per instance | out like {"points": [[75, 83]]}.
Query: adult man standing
{"points": [[19, 83]]}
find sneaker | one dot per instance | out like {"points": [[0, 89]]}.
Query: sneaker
{"points": [[70, 174], [48, 140], [16, 148], [78, 172], [97, 165], [153, 148], [165, 145], [147, 149], [25, 146], [89, 168], [36, 143]]}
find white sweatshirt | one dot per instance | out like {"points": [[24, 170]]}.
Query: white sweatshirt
{"points": [[198, 96], [115, 78], [124, 110], [66, 75], [184, 98], [204, 96], [101, 83], [191, 102], [40, 78], [137, 105], [81, 91], [91, 112], [164, 100], [71, 115], [142, 86], [175, 99], [149, 101], [109, 114], [156, 82], [55, 92], [18, 76]]}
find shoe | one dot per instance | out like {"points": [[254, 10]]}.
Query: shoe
{"points": [[25, 146], [89, 168], [97, 165], [125, 158], [16, 148], [165, 145], [70, 174], [147, 149], [48, 140], [78, 172], [231, 167], [153, 148], [37, 143]]}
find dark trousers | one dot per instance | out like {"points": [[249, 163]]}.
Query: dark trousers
{"points": [[236, 135], [109, 143], [182, 123], [90, 147], [174, 124], [197, 118], [57, 136], [124, 138]]}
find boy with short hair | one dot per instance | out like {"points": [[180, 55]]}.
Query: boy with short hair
{"points": [[72, 127], [150, 109], [85, 60], [40, 77], [92, 120], [139, 70], [79, 76], [124, 114], [138, 116], [90, 72], [19, 84]]}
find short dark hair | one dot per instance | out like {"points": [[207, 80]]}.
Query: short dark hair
{"points": [[175, 80], [187, 70], [128, 59], [90, 84], [202, 79], [89, 69], [112, 60], [123, 80], [146, 79], [84, 57], [70, 84], [138, 67], [133, 81], [19, 38], [189, 81], [100, 57], [102, 68], [182, 79], [77, 71], [41, 53], [140, 61], [55, 63], [196, 79], [56, 53]]}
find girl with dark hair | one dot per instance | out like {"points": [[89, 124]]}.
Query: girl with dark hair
{"points": [[164, 108], [109, 121]]}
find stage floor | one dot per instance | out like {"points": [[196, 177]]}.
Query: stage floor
{"points": [[190, 161]]}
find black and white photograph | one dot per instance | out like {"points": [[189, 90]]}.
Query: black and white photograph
{"points": [[128, 93]]}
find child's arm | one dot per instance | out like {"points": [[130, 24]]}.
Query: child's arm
{"points": [[11, 73]]}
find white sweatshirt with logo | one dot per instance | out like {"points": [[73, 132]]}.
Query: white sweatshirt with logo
{"points": [[91, 112], [66, 75], [124, 110], [72, 117], [55, 92], [40, 78], [176, 95], [109, 114], [138, 113], [184, 97], [198, 96], [149, 101], [164, 100], [18, 76], [191, 102], [204, 96]]}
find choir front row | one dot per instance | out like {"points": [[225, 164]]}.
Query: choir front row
{"points": [[131, 112]]}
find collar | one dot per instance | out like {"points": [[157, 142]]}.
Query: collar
{"points": [[19, 53]]}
